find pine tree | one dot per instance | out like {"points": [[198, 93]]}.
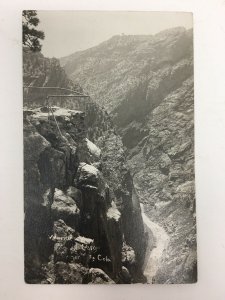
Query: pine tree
{"points": [[31, 36]]}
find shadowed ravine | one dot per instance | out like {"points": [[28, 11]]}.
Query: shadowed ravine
{"points": [[152, 260]]}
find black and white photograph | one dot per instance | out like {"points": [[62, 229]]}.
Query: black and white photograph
{"points": [[108, 135]]}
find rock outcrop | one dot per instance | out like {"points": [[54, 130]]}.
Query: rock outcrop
{"points": [[40, 71], [75, 216]]}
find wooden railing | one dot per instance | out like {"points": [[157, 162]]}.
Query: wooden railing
{"points": [[76, 99]]}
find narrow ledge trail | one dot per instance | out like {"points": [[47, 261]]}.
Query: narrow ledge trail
{"points": [[152, 261]]}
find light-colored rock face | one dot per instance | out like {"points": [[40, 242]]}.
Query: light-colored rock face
{"points": [[146, 84]]}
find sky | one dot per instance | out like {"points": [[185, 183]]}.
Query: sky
{"points": [[69, 31]]}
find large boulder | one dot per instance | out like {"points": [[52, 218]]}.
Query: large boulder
{"points": [[62, 232], [64, 207], [98, 276], [70, 272], [88, 176], [76, 195]]}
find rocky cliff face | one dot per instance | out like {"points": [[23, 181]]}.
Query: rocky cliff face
{"points": [[79, 197], [40, 71], [76, 219], [163, 164], [146, 85]]}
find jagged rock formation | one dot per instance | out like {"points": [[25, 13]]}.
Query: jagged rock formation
{"points": [[77, 226], [146, 84], [42, 71]]}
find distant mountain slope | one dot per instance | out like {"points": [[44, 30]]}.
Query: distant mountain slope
{"points": [[146, 84], [115, 68]]}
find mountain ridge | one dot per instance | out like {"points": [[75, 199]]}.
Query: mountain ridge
{"points": [[122, 62], [65, 58]]}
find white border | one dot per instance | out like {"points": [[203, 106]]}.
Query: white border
{"points": [[209, 42]]}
